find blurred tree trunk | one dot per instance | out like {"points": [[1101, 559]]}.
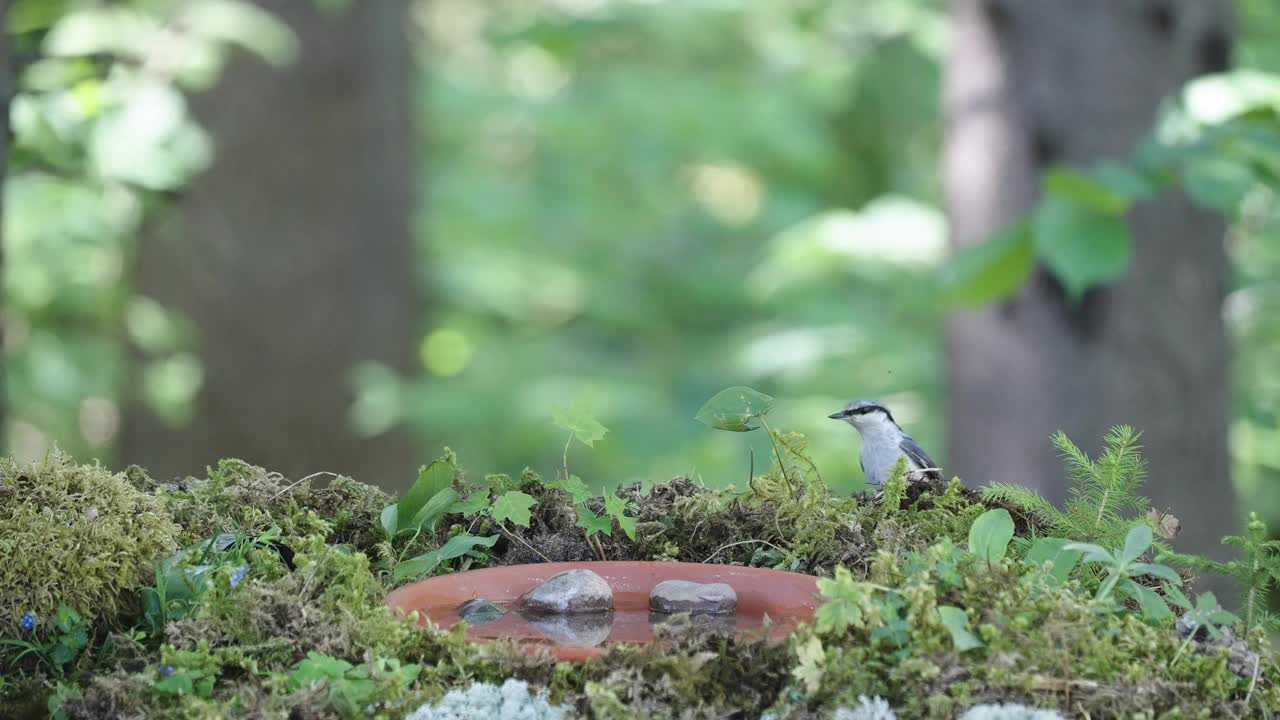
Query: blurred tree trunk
{"points": [[7, 88], [293, 254], [1033, 83]]}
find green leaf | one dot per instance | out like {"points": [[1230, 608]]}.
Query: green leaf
{"points": [[574, 488], [514, 505], [179, 683], [1092, 553], [734, 409], [592, 523], [457, 546], [617, 507], [990, 535], [991, 271], [1136, 542], [578, 421], [1154, 608], [435, 509], [315, 668], [1054, 550], [1084, 190], [390, 520], [471, 504], [1218, 183], [1124, 180], [957, 623], [1164, 572], [1177, 597], [432, 479], [1082, 246]]}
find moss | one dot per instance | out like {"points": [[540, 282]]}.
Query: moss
{"points": [[243, 497], [238, 650], [75, 535]]}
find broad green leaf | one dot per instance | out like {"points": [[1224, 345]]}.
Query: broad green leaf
{"points": [[431, 480], [1177, 597], [1054, 550], [514, 505], [1084, 190], [1217, 182], [1092, 553], [734, 409], [389, 519], [1082, 246], [574, 488], [991, 271], [1164, 572], [578, 421], [1124, 180], [990, 535], [628, 525], [471, 504], [1136, 542], [957, 623], [457, 546], [592, 523], [316, 667], [1153, 606], [435, 509]]}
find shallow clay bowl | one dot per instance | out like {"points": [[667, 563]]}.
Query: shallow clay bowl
{"points": [[786, 598]]}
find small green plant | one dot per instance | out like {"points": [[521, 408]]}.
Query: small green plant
{"points": [[433, 496], [1122, 566], [64, 645], [587, 430], [1206, 614], [738, 409], [1105, 501], [1257, 572], [350, 687]]}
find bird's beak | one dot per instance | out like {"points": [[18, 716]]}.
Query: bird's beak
{"points": [[839, 415]]}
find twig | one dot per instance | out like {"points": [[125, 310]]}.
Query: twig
{"points": [[296, 483], [782, 465], [522, 541], [742, 542], [1256, 664]]}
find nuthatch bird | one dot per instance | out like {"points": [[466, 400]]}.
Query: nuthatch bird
{"points": [[883, 443]]}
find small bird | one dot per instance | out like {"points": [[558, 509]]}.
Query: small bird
{"points": [[883, 442]]}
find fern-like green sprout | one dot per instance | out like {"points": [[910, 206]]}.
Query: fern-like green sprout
{"points": [[1257, 572], [1105, 500]]}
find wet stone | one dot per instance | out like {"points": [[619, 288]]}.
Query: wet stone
{"points": [[584, 630], [683, 596], [572, 591], [684, 624], [479, 611]]}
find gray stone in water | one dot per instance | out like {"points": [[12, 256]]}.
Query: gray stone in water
{"points": [[683, 596], [679, 624], [568, 592], [479, 611], [583, 630]]}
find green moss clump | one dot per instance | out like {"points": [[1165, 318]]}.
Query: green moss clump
{"points": [[246, 498], [75, 535]]}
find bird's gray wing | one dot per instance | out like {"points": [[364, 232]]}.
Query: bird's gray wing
{"points": [[915, 453]]}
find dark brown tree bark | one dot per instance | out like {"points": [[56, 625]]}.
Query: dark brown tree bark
{"points": [[1033, 83], [293, 254]]}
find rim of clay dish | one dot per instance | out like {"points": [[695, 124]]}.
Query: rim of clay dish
{"points": [[775, 592]]}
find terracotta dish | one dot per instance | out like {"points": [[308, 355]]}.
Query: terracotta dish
{"points": [[786, 598]]}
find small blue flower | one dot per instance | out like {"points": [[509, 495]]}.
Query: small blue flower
{"points": [[28, 621], [166, 670], [238, 574]]}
